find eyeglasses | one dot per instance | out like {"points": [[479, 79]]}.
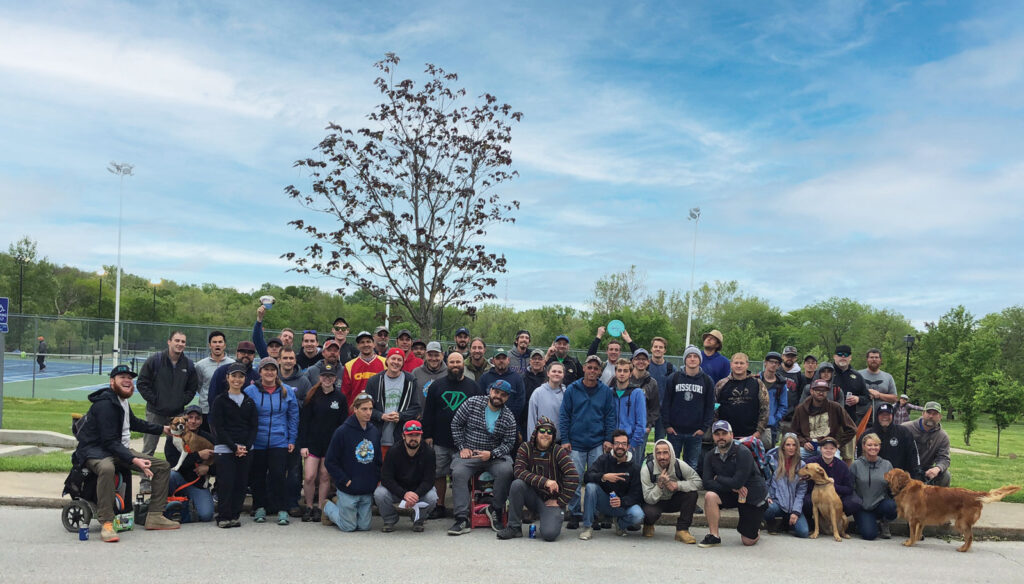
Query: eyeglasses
{"points": [[625, 444], [338, 328], [545, 431], [842, 354]]}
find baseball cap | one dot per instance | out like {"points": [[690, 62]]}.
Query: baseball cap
{"points": [[462, 331], [843, 350], [332, 343], [885, 409], [412, 427], [379, 329], [904, 396], [122, 369], [246, 346], [933, 405], [268, 361], [275, 340], [237, 367], [820, 384], [537, 353], [328, 369], [641, 353], [721, 425], [828, 440], [810, 358], [773, 355], [396, 351], [501, 385], [790, 350], [434, 347], [501, 351], [404, 332], [561, 338], [593, 358], [420, 342], [363, 334], [193, 408]]}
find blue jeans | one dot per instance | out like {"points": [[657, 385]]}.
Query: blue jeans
{"points": [[352, 513], [774, 511], [582, 459], [598, 500], [687, 447], [639, 452], [867, 519], [201, 498], [659, 428]]}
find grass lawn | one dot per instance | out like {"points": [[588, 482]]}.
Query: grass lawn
{"points": [[984, 473], [983, 439]]}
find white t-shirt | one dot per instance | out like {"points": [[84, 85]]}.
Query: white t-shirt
{"points": [[126, 430]]}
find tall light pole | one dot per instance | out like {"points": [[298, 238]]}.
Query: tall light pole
{"points": [[121, 169], [99, 300], [909, 340], [695, 217], [155, 283]]}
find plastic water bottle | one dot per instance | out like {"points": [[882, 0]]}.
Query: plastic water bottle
{"points": [[612, 495]]}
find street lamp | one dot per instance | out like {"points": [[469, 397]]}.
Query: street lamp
{"points": [[120, 169], [695, 217], [99, 301], [909, 340]]}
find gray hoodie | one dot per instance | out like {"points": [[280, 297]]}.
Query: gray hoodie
{"points": [[869, 480], [300, 382], [424, 375], [545, 401], [686, 477]]}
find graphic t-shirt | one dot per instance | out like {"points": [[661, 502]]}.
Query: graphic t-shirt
{"points": [[392, 397]]}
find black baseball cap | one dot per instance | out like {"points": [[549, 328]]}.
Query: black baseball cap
{"points": [[844, 350], [122, 369], [193, 408]]}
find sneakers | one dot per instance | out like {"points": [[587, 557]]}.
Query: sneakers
{"points": [[685, 537], [108, 534], [295, 511], [883, 530], [224, 523], [307, 515], [438, 513], [460, 527], [282, 518], [260, 516], [417, 526], [648, 531], [698, 510], [586, 534], [510, 533], [235, 523], [709, 541], [157, 521], [495, 517], [619, 531], [573, 523], [387, 528]]}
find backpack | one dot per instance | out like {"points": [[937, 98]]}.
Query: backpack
{"points": [[649, 461], [761, 458]]}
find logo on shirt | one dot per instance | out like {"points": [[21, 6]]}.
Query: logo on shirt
{"points": [[894, 441], [426, 386], [335, 405], [364, 452], [453, 399]]}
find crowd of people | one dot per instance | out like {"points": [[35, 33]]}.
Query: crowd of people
{"points": [[326, 432]]}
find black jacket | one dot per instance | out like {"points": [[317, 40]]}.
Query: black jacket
{"points": [[166, 387], [852, 382], [737, 470], [899, 448], [100, 434], [531, 381], [629, 490], [318, 420], [409, 405], [573, 369], [444, 397], [233, 424], [401, 474]]}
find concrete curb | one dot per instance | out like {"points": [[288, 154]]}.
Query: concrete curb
{"points": [[38, 438]]}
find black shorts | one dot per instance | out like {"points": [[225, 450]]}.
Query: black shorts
{"points": [[750, 515]]}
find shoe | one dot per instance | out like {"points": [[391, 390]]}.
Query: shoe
{"points": [[387, 528], [698, 510], [573, 523], [596, 526], [260, 516], [774, 526], [685, 537], [316, 514], [235, 523], [510, 533], [157, 521], [417, 526], [648, 531], [282, 518], [495, 517], [295, 512], [460, 527], [633, 528], [224, 523], [709, 541], [883, 530], [619, 531], [108, 534], [325, 519], [606, 525], [586, 534], [438, 513], [307, 515]]}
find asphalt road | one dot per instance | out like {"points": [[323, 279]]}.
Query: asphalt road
{"points": [[34, 547]]}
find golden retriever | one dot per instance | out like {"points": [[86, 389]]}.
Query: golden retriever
{"points": [[827, 503], [922, 504]]}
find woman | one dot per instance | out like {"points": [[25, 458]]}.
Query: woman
{"points": [[324, 409], [840, 474], [233, 419], [786, 491], [878, 508], [276, 433]]}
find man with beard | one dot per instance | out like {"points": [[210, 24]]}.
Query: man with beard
{"points": [[419, 349], [407, 480], [245, 352], [669, 486], [310, 353], [803, 379], [559, 351], [433, 367], [898, 445], [444, 396], [613, 488], [206, 367], [461, 343], [733, 481], [332, 356], [534, 376], [517, 399], [359, 370], [714, 362], [404, 342], [545, 480], [520, 356], [104, 441], [778, 387], [477, 364], [613, 352], [932, 444], [743, 399], [789, 367], [381, 336], [881, 386], [652, 394], [818, 417], [484, 432], [291, 375]]}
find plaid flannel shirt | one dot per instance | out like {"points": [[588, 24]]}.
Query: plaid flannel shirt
{"points": [[469, 428]]}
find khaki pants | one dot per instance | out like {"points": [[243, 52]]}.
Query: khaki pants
{"points": [[105, 469]]}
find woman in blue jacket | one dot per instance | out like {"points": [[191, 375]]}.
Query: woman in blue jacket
{"points": [[276, 432], [786, 490]]}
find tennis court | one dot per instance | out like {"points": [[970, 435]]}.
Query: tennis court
{"points": [[65, 377]]}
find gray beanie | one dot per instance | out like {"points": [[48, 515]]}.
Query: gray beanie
{"points": [[691, 350]]}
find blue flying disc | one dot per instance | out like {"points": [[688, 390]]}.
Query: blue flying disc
{"points": [[615, 328]]}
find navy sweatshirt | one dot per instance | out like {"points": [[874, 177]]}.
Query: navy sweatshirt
{"points": [[354, 455], [689, 403], [318, 420]]}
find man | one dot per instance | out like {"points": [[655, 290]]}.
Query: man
{"points": [[803, 379], [433, 367], [477, 364], [652, 393], [444, 395], [613, 351], [167, 381], [104, 441], [613, 488], [778, 388], [407, 480], [534, 376], [898, 445], [41, 350], [354, 462], [206, 367], [545, 480], [901, 411], [856, 400], [274, 347], [419, 349], [630, 409], [346, 351], [932, 444], [291, 375], [733, 481], [714, 362], [789, 367], [826, 372], [331, 354], [742, 398], [559, 351], [660, 370], [586, 421], [484, 431], [396, 399], [669, 486], [517, 399], [245, 352], [881, 386], [404, 342], [263, 347], [689, 407], [461, 343], [310, 350], [287, 337], [362, 368], [381, 336], [817, 417], [191, 477], [520, 356], [546, 401]]}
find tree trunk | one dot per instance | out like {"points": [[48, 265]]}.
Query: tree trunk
{"points": [[999, 434]]}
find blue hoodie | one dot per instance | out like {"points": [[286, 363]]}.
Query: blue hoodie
{"points": [[587, 416], [355, 455], [278, 416], [716, 366], [631, 414]]}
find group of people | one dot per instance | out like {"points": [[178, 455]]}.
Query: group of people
{"points": [[327, 432]]}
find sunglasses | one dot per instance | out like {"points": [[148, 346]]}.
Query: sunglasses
{"points": [[340, 328], [545, 431], [842, 354]]}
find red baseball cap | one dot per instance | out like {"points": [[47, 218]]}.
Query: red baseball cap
{"points": [[413, 427], [396, 351]]}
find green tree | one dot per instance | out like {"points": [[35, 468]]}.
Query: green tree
{"points": [[620, 290], [1001, 397]]}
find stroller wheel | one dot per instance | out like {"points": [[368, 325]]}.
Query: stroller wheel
{"points": [[75, 515]]}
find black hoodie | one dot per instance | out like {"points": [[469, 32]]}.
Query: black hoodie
{"points": [[899, 448], [100, 434]]}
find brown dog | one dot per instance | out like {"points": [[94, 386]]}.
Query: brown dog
{"points": [[187, 441], [922, 504], [827, 503]]}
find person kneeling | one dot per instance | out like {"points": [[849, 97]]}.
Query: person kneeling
{"points": [[353, 461], [669, 486], [733, 481], [407, 480], [192, 477], [545, 482], [613, 488]]}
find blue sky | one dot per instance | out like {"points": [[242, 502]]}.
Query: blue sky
{"points": [[861, 149]]}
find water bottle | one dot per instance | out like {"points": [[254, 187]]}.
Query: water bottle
{"points": [[612, 495], [533, 531], [83, 534]]}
